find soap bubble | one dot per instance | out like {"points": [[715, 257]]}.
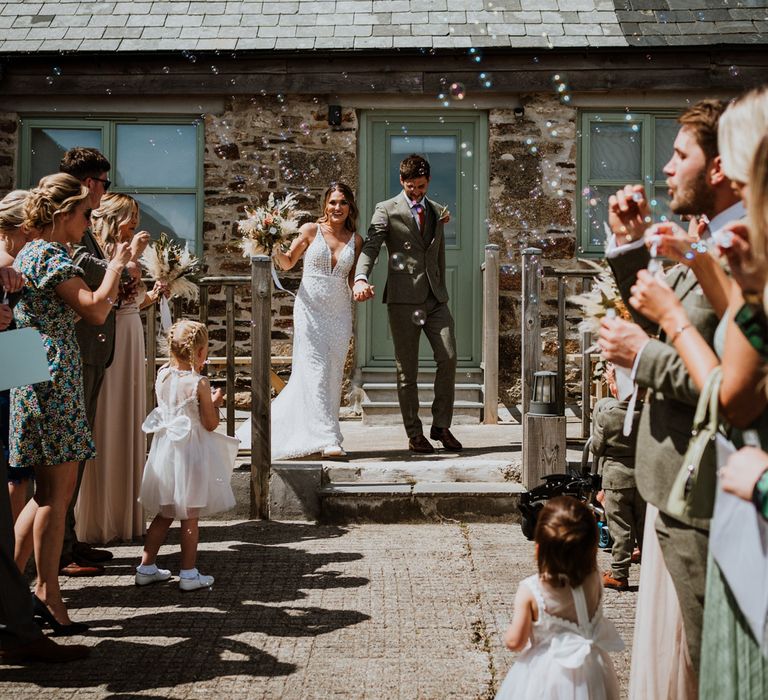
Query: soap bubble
{"points": [[407, 245], [101, 338], [637, 197], [166, 69], [397, 262], [419, 317], [457, 91], [733, 71]]}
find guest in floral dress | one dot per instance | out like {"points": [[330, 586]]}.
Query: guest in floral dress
{"points": [[49, 429]]}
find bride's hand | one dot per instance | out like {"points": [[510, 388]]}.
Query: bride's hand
{"points": [[217, 397]]}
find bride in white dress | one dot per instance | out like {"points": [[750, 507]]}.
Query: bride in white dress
{"points": [[305, 415]]}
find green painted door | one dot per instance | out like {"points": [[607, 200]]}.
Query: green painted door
{"points": [[455, 146]]}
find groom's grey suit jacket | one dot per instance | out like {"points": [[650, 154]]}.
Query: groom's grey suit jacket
{"points": [[423, 255]]}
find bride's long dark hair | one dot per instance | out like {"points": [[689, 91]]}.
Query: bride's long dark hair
{"points": [[351, 223]]}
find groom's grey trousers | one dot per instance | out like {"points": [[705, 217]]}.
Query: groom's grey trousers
{"points": [[406, 328]]}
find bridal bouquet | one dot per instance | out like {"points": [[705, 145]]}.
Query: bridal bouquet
{"points": [[167, 262], [603, 300], [270, 226]]}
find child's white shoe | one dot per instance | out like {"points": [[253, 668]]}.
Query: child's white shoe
{"points": [[157, 577], [194, 584]]}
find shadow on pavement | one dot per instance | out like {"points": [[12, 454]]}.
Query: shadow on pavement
{"points": [[188, 637]]}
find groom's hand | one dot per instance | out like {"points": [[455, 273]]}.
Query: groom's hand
{"points": [[362, 291]]}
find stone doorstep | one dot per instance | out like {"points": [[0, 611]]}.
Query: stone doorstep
{"points": [[479, 471], [388, 412]]}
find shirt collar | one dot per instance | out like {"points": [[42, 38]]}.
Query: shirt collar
{"points": [[413, 203], [732, 213]]}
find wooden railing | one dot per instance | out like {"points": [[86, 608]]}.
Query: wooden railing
{"points": [[260, 361], [533, 273]]}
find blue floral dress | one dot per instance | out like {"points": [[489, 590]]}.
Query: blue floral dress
{"points": [[48, 421]]}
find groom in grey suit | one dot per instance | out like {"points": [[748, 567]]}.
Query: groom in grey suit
{"points": [[416, 298]]}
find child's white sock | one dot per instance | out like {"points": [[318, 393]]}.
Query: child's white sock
{"points": [[148, 569], [189, 573]]}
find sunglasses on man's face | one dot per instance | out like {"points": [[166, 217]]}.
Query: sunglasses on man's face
{"points": [[106, 182]]}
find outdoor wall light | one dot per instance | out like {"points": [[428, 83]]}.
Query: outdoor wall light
{"points": [[334, 115], [544, 394]]}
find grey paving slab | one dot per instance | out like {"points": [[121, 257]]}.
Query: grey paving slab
{"points": [[300, 612]]}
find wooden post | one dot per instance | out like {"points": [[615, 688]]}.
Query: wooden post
{"points": [[230, 357], [491, 335], [261, 351], [531, 342], [561, 345], [586, 372], [544, 448]]}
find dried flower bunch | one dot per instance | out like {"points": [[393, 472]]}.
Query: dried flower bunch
{"points": [[166, 261], [266, 227], [601, 301]]}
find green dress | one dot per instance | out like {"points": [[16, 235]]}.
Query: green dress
{"points": [[732, 665], [48, 421]]}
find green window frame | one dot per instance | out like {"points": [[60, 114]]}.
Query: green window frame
{"points": [[653, 133], [109, 130]]}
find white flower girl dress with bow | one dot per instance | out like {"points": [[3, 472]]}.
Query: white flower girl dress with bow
{"points": [[189, 468], [568, 652]]}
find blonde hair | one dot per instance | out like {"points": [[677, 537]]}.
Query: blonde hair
{"points": [[741, 127], [54, 195], [186, 337], [114, 210], [757, 207], [12, 215]]}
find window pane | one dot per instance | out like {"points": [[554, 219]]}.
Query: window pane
{"points": [[174, 214], [614, 151], [49, 145], [666, 130], [441, 152], [156, 155], [596, 206]]}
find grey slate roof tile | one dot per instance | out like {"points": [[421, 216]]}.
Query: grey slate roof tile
{"points": [[379, 24]]}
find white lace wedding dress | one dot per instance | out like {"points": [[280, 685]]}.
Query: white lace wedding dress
{"points": [[305, 415]]}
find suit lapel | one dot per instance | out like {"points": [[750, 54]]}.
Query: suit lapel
{"points": [[684, 283]]}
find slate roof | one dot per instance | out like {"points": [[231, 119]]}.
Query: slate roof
{"points": [[292, 25]]}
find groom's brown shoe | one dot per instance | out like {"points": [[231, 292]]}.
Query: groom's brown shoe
{"points": [[446, 437], [421, 445]]}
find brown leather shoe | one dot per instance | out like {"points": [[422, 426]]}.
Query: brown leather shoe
{"points": [[446, 437], [46, 651], [618, 584], [85, 553], [421, 445], [75, 569]]}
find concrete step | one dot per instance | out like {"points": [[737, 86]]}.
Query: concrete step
{"points": [[387, 391], [422, 471], [471, 375], [388, 412], [421, 502]]}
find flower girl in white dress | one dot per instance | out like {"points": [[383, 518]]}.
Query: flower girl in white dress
{"points": [[558, 620], [189, 467]]}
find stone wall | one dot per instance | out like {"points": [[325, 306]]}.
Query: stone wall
{"points": [[9, 134], [257, 146], [532, 197]]}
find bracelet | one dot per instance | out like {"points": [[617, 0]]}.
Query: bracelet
{"points": [[118, 269], [678, 331]]}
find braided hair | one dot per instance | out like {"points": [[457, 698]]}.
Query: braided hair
{"points": [[186, 337]]}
